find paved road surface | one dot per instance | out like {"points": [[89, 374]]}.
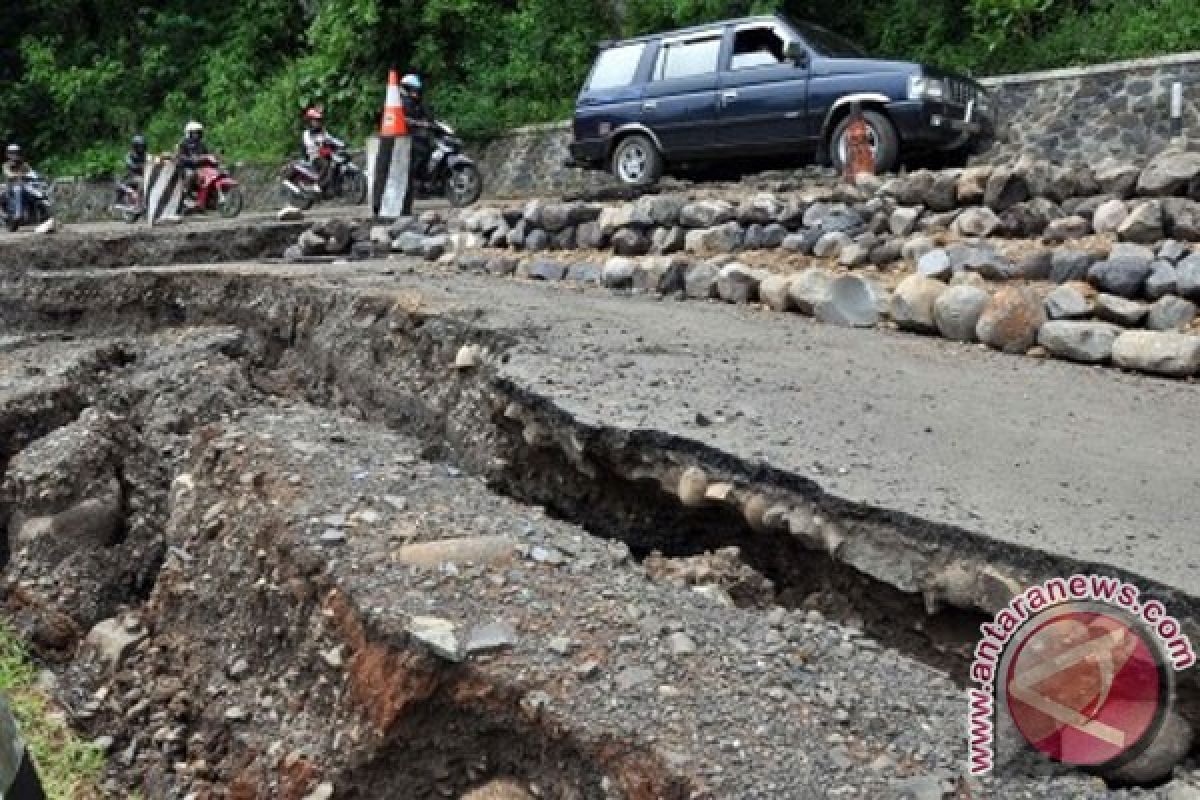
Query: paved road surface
{"points": [[1087, 463]]}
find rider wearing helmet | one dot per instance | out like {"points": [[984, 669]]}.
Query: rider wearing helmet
{"points": [[135, 164], [419, 120], [15, 169], [135, 159], [191, 149], [15, 165], [314, 137]]}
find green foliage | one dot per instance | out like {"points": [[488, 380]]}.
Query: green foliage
{"points": [[78, 77], [68, 767]]}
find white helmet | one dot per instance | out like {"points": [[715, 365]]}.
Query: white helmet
{"points": [[193, 127]]}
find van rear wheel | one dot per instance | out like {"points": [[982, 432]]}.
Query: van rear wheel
{"points": [[636, 161], [881, 134]]}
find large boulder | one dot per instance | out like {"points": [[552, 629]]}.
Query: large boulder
{"points": [[1067, 228], [1068, 302], [972, 185], [762, 209], [668, 240], [850, 301], [808, 289], [1030, 218], [661, 209], [1068, 264], [775, 292], [1187, 277], [618, 272], [1162, 281], [1170, 313], [1116, 177], [1109, 216], [661, 275], [913, 301], [545, 270], [1120, 310], [737, 283], [802, 243], [1169, 173], [725, 238], [1183, 218], [957, 310], [1173, 354], [706, 214], [631, 242], [1145, 224], [1011, 320], [903, 221], [627, 215], [1005, 188], [976, 222], [700, 282], [1120, 276], [1074, 340], [589, 236], [830, 244]]}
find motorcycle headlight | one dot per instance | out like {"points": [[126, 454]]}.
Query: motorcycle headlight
{"points": [[922, 87]]}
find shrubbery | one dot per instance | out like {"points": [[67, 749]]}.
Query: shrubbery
{"points": [[77, 77]]}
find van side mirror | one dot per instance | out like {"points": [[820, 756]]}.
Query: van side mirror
{"points": [[794, 51]]}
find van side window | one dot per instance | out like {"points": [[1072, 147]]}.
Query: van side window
{"points": [[685, 59], [757, 47], [616, 67]]}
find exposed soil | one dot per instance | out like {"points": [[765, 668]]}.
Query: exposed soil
{"points": [[314, 556]]}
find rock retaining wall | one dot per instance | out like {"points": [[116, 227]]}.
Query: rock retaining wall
{"points": [[1089, 265]]}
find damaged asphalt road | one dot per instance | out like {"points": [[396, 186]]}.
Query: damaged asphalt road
{"points": [[340, 392]]}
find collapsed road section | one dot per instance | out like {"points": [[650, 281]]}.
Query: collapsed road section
{"points": [[356, 533]]}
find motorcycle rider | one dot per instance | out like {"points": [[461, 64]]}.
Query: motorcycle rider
{"points": [[15, 170], [314, 137], [191, 149], [135, 165], [420, 122]]}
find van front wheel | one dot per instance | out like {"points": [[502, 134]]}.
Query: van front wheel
{"points": [[636, 161], [881, 136]]}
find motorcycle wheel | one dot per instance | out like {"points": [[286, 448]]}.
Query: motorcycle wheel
{"points": [[300, 200], [229, 202], [464, 185], [354, 188]]}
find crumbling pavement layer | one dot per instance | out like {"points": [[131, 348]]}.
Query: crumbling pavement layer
{"points": [[306, 444]]}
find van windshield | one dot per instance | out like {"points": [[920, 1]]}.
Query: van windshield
{"points": [[826, 43]]}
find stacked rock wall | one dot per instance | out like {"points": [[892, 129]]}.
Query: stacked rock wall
{"points": [[1090, 265]]}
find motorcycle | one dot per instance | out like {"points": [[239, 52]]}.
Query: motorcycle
{"points": [[215, 190], [302, 184], [27, 201], [450, 171]]}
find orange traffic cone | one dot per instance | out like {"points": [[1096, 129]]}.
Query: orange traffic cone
{"points": [[394, 122], [860, 159]]}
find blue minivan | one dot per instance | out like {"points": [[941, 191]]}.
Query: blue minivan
{"points": [[759, 86]]}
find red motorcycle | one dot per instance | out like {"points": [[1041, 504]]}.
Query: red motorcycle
{"points": [[215, 190]]}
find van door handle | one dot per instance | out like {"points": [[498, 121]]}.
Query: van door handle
{"points": [[729, 96], [649, 105]]}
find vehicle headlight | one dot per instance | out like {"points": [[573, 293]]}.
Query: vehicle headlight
{"points": [[921, 87]]}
